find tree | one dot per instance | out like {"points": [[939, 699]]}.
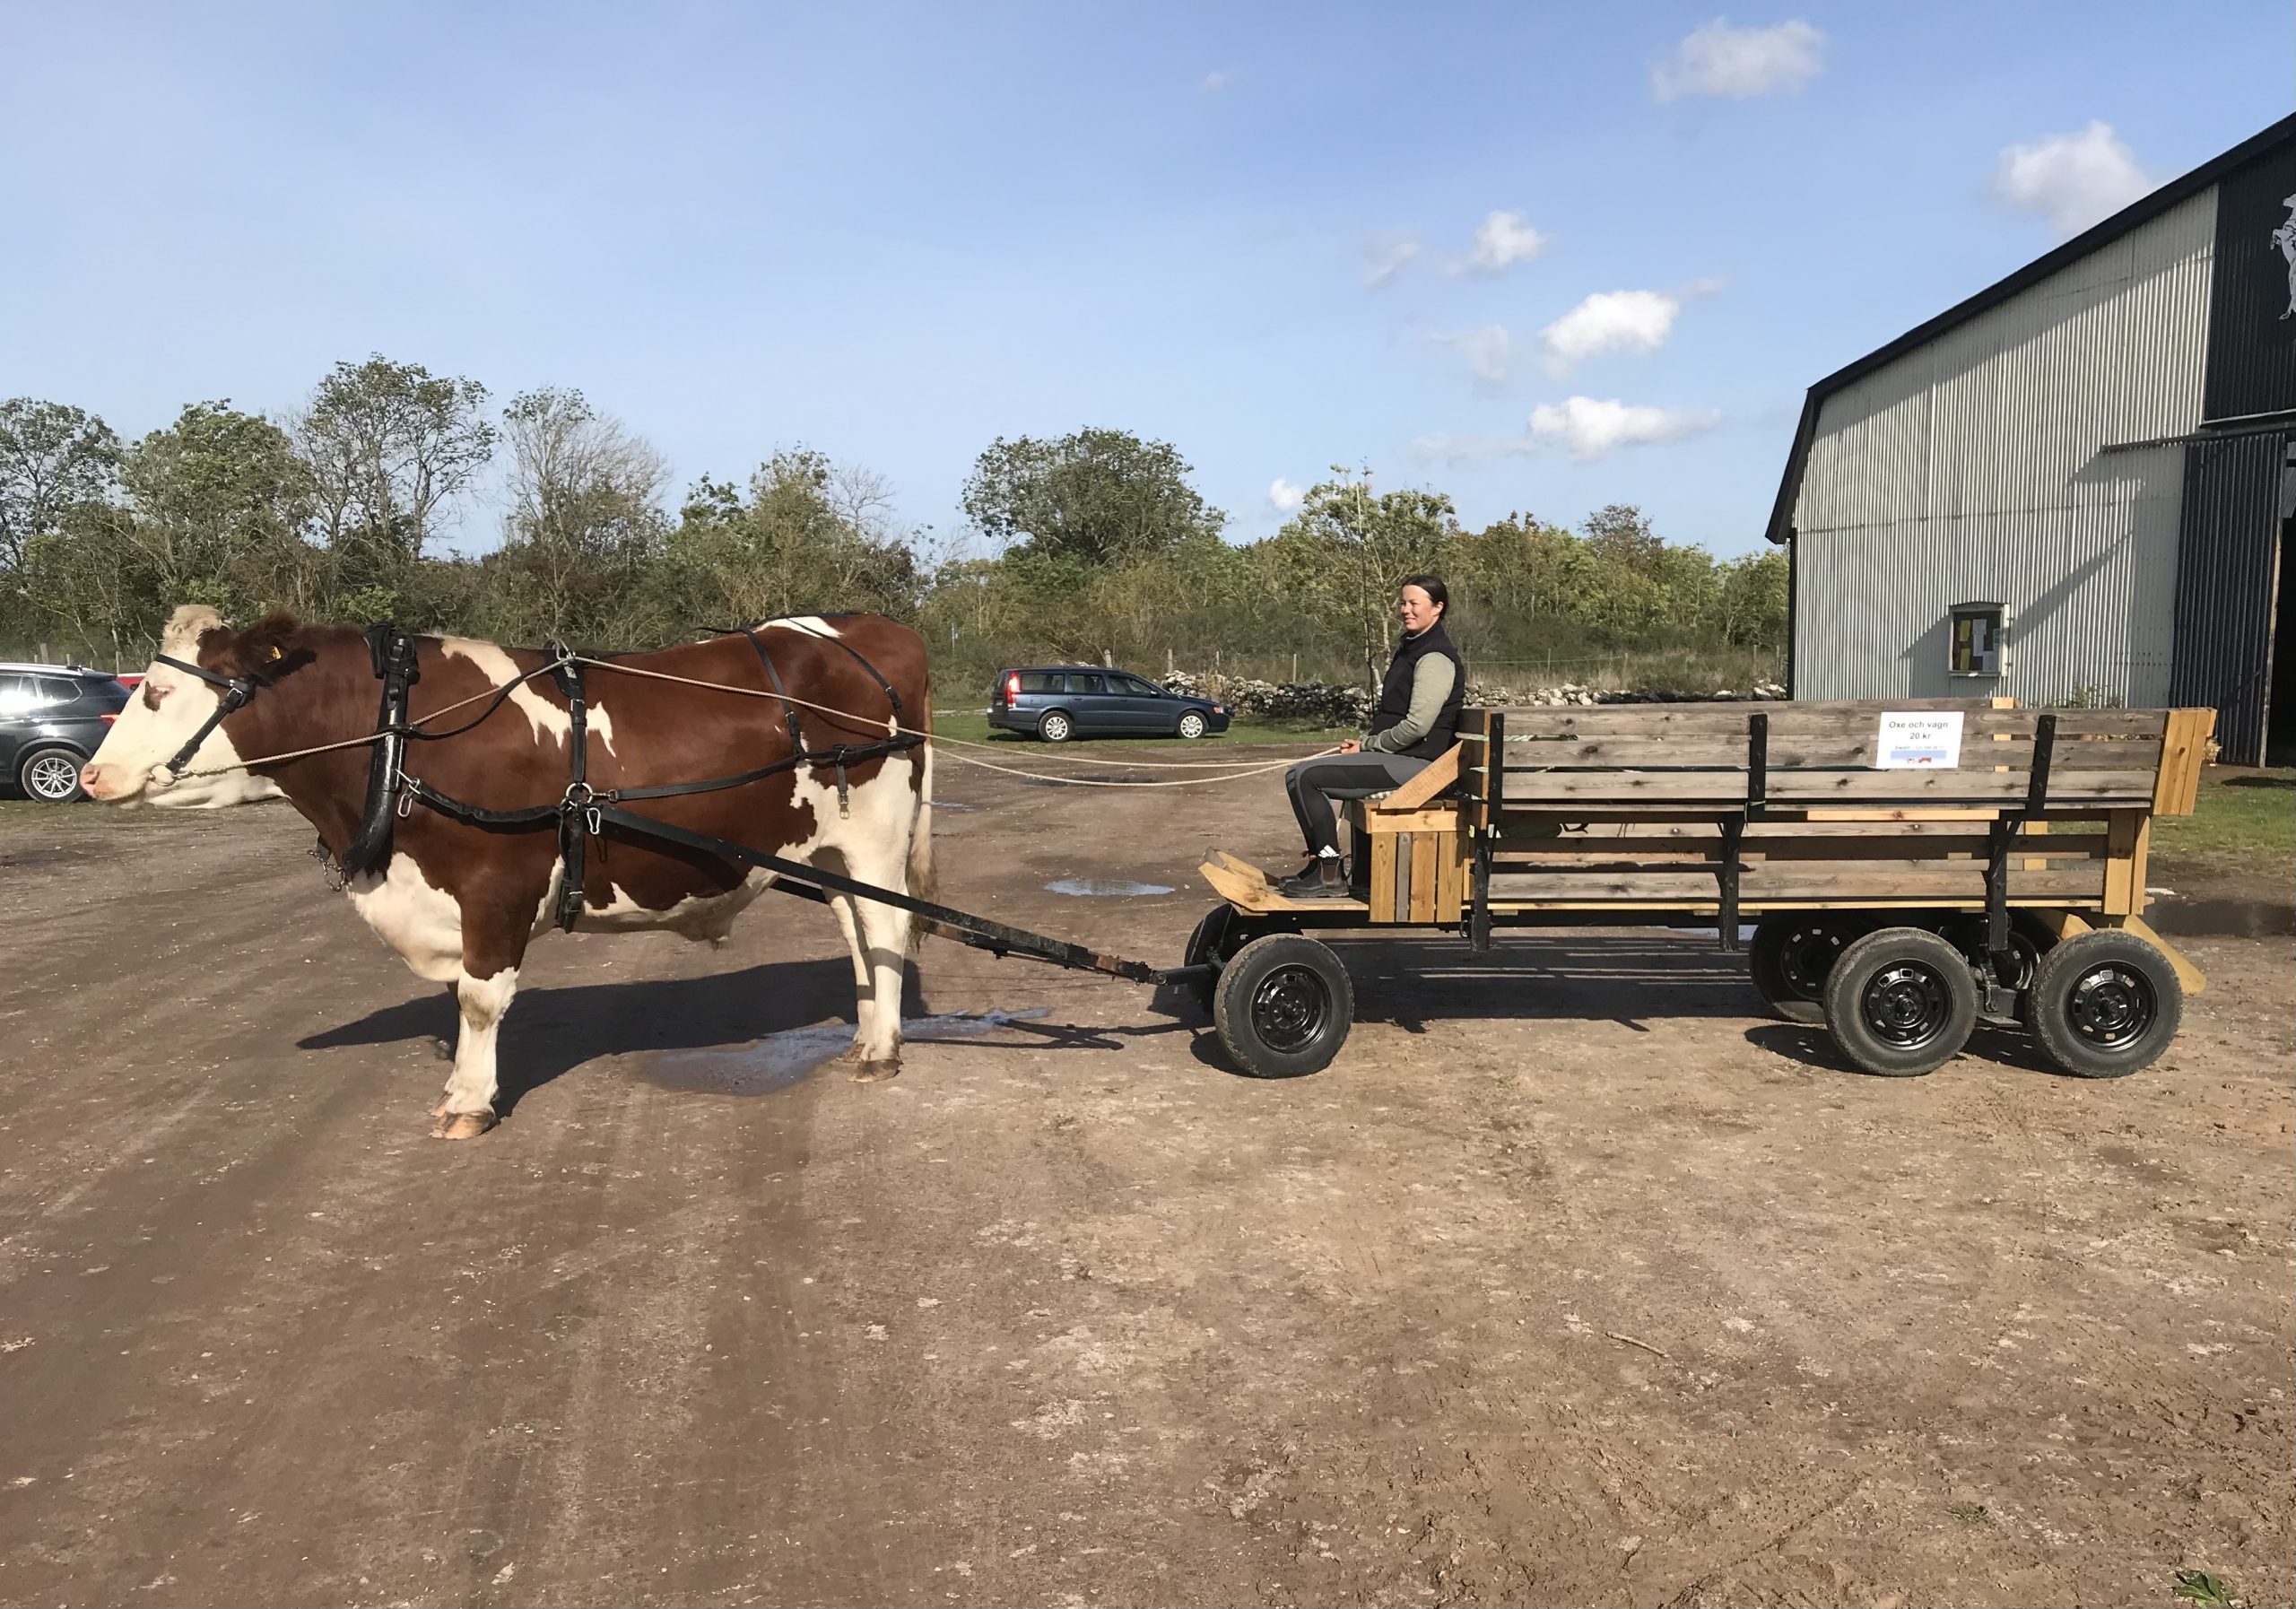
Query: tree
{"points": [[1345, 551], [585, 524], [1087, 501], [389, 444], [53, 459], [808, 535], [216, 508]]}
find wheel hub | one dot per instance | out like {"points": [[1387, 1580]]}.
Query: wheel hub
{"points": [[1291, 1007], [2112, 1005], [1906, 1006], [52, 778], [1806, 957]]}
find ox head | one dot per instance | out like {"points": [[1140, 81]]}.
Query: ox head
{"points": [[170, 707]]}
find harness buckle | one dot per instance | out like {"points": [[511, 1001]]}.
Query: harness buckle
{"points": [[405, 803], [578, 797]]}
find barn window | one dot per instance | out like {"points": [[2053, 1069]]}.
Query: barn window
{"points": [[1979, 639]]}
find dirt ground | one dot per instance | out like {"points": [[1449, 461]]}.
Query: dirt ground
{"points": [[1575, 1281]]}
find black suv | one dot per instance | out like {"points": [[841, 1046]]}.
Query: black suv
{"points": [[52, 717], [1058, 702]]}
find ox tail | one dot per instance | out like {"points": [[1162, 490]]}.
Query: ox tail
{"points": [[920, 829]]}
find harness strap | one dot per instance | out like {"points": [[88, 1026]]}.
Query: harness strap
{"points": [[574, 832], [392, 653], [237, 691]]}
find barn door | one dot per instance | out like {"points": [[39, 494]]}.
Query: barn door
{"points": [[2226, 551]]}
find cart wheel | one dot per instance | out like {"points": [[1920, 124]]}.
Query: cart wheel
{"points": [[1207, 942], [2104, 1003], [1283, 1007], [1900, 1002], [1791, 954]]}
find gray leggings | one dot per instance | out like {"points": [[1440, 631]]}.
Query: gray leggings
{"points": [[1314, 784]]}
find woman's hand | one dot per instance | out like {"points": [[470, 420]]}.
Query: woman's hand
{"points": [[1351, 747]]}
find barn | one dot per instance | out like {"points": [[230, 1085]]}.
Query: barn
{"points": [[2074, 487]]}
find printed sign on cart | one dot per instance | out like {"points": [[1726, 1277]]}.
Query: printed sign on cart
{"points": [[1919, 740]]}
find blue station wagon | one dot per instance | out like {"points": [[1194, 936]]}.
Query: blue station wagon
{"points": [[1056, 702]]}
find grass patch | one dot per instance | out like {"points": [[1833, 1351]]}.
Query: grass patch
{"points": [[1972, 1514], [2245, 821], [972, 727], [2199, 1587]]}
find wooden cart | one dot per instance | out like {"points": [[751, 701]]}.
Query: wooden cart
{"points": [[1903, 878]]}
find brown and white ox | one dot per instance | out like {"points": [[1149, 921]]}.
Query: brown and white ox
{"points": [[460, 902]]}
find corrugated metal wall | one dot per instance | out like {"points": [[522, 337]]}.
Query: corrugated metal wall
{"points": [[1970, 469], [2224, 586]]}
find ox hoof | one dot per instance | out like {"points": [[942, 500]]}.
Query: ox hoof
{"points": [[875, 1071], [461, 1126]]}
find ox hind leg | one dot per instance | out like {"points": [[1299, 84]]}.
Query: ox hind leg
{"points": [[878, 937]]}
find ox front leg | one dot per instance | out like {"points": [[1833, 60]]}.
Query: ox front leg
{"points": [[468, 1110]]}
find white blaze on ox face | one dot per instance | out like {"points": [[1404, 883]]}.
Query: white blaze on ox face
{"points": [[167, 709]]}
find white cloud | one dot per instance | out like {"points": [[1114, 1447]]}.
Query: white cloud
{"points": [[1490, 352], [1385, 255], [1608, 321], [2071, 179], [1284, 495], [1213, 82], [1585, 427], [1590, 427], [1502, 240], [1738, 63]]}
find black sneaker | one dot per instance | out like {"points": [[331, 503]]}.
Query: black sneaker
{"points": [[1324, 877]]}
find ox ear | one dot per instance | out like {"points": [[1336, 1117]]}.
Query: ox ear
{"points": [[265, 649]]}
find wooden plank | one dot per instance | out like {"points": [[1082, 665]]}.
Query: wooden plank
{"points": [[1383, 877], [2183, 752], [1423, 850], [1440, 818], [2062, 903], [1235, 887], [1914, 883], [2126, 832], [1241, 868], [1803, 787], [1451, 876], [1814, 721], [1573, 847], [1845, 753], [1440, 774], [2193, 980]]}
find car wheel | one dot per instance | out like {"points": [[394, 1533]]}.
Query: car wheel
{"points": [[1192, 724], [51, 776], [1055, 727]]}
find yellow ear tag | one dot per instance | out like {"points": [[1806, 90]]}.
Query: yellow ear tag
{"points": [[276, 653]]}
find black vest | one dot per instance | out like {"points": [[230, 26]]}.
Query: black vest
{"points": [[1395, 692]]}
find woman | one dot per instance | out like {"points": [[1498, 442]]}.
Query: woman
{"points": [[1416, 720]]}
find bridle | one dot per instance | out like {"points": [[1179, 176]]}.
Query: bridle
{"points": [[237, 691]]}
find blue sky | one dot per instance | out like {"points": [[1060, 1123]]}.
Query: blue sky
{"points": [[894, 234]]}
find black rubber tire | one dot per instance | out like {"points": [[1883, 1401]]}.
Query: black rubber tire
{"points": [[1283, 1007], [1058, 725], [1900, 1002], [40, 776], [1193, 718], [1791, 953], [2103, 1004]]}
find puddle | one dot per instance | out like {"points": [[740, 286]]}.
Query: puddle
{"points": [[953, 804], [1096, 777], [1105, 888], [782, 1059], [2229, 918], [19, 858]]}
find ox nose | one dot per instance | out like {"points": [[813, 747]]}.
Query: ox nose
{"points": [[96, 780]]}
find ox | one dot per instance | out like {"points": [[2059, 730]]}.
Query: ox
{"points": [[458, 900]]}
